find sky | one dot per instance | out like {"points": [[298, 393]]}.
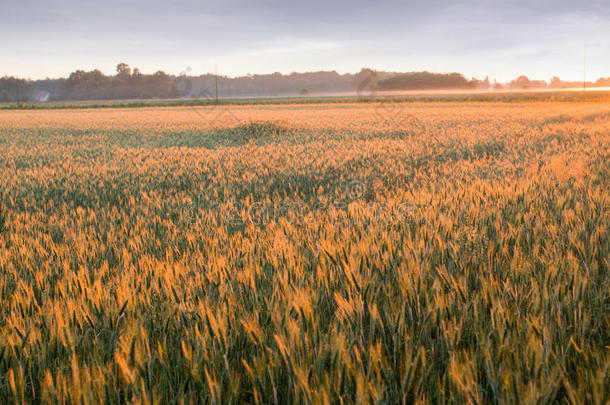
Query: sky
{"points": [[501, 39]]}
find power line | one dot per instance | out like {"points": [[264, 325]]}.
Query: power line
{"points": [[584, 74]]}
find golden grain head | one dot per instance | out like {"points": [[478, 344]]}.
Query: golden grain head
{"points": [[306, 254]]}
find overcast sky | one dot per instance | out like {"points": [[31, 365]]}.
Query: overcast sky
{"points": [[502, 38]]}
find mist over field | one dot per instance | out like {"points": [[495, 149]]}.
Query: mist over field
{"points": [[131, 84]]}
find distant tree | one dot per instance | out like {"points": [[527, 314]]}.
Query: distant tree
{"points": [[481, 84], [5, 96], [555, 83], [83, 85], [524, 83], [123, 71], [304, 92], [426, 81], [126, 84], [160, 77], [161, 85], [602, 82], [365, 81], [136, 76], [485, 84], [521, 83]]}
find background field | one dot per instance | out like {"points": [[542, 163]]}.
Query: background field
{"points": [[434, 251]]}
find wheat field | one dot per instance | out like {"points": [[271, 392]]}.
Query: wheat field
{"points": [[422, 252]]}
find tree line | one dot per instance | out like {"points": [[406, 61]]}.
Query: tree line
{"points": [[524, 83], [130, 83], [93, 85], [126, 84]]}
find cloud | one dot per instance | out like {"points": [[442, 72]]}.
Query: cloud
{"points": [[471, 35]]}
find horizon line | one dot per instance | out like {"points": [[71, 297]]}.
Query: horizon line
{"points": [[188, 73]]}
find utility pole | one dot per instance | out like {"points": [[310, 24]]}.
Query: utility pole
{"points": [[584, 74], [216, 70]]}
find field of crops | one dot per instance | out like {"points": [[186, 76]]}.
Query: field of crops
{"points": [[429, 252]]}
